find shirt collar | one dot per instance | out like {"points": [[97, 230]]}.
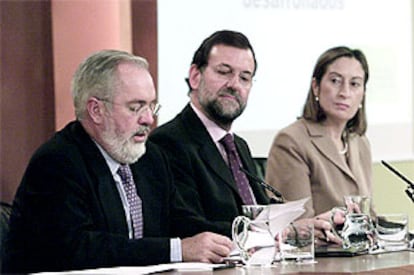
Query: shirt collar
{"points": [[216, 132], [112, 164]]}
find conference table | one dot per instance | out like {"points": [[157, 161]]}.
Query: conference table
{"points": [[386, 263], [399, 263]]}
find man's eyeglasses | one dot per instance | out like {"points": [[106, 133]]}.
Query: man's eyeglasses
{"points": [[227, 73], [137, 108]]}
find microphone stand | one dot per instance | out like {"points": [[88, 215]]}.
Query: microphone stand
{"points": [[278, 198], [410, 188]]}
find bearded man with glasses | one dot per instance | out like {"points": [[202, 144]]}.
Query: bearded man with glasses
{"points": [[98, 194]]}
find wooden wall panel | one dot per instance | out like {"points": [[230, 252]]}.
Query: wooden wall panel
{"points": [[144, 32], [98, 25], [26, 87]]}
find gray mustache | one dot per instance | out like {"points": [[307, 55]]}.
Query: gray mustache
{"points": [[142, 130]]}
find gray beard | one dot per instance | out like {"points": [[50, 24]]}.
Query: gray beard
{"points": [[122, 150]]}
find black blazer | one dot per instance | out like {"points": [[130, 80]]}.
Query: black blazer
{"points": [[201, 175], [67, 213]]}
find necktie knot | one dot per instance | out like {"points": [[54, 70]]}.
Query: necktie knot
{"points": [[228, 142], [125, 173]]}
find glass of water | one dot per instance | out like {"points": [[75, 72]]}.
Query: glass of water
{"points": [[357, 204], [392, 231], [358, 231], [296, 243]]}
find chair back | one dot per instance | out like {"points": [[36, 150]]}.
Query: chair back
{"points": [[5, 211], [260, 163]]}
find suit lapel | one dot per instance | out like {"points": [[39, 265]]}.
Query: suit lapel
{"points": [[208, 151], [111, 204], [102, 181], [246, 158], [354, 161], [212, 157], [324, 144], [151, 189]]}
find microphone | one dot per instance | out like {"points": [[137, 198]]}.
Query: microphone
{"points": [[278, 196], [410, 189]]}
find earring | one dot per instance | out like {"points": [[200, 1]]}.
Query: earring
{"points": [[360, 106], [316, 98]]}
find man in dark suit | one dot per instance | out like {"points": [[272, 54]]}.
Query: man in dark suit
{"points": [[220, 79], [73, 209]]}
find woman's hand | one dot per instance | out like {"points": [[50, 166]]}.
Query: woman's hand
{"points": [[324, 223]]}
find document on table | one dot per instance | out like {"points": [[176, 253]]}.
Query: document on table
{"points": [[141, 270], [275, 217], [281, 215]]}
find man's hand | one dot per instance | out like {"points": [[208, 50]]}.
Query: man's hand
{"points": [[206, 247]]}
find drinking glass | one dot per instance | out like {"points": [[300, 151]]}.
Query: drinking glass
{"points": [[392, 231], [357, 204], [297, 243], [358, 231]]}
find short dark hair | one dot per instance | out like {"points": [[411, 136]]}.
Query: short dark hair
{"points": [[223, 37], [313, 111]]}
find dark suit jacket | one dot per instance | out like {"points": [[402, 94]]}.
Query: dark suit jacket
{"points": [[67, 213], [201, 175]]}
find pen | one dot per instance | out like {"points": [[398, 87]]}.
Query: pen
{"points": [[225, 266]]}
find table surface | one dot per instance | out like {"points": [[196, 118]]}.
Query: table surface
{"points": [[385, 263]]}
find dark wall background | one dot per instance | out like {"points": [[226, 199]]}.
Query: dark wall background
{"points": [[27, 112], [144, 34], [27, 102]]}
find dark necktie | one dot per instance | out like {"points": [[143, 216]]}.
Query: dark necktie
{"points": [[235, 164], [134, 201]]}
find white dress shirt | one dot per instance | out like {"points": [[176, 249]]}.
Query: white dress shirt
{"points": [[175, 243]]}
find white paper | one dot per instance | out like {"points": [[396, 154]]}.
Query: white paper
{"points": [[141, 270], [262, 257], [259, 239], [281, 215]]}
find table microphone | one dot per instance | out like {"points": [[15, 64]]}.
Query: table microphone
{"points": [[410, 189], [278, 196]]}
